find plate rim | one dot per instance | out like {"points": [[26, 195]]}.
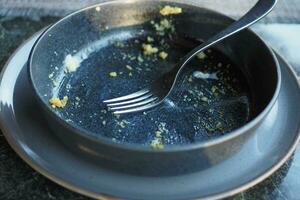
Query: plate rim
{"points": [[25, 157]]}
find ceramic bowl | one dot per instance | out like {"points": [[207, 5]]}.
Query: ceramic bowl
{"points": [[88, 33]]}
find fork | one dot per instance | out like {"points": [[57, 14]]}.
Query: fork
{"points": [[160, 88]]}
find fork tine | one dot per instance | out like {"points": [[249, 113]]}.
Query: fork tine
{"points": [[145, 107], [130, 101], [130, 96], [147, 101]]}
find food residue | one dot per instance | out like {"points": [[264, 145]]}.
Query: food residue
{"points": [[58, 103], [163, 55], [128, 67], [162, 26], [140, 59], [217, 127], [201, 55], [214, 89], [157, 143], [168, 10], [201, 75], [71, 63], [113, 74], [149, 49]]}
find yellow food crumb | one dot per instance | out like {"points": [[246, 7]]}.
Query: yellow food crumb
{"points": [[214, 89], [158, 134], [148, 49], [58, 103], [201, 55], [168, 10], [157, 144], [163, 55], [166, 24], [128, 67], [113, 74], [163, 25]]}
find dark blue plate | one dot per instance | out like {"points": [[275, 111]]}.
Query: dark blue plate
{"points": [[27, 132]]}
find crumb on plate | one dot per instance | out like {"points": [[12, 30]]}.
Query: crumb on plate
{"points": [[149, 49], [205, 76], [163, 55], [113, 74], [163, 25], [157, 144], [71, 63], [58, 103], [129, 67], [140, 59], [214, 89], [169, 10], [201, 55]]}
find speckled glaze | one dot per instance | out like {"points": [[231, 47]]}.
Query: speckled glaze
{"points": [[82, 28]]}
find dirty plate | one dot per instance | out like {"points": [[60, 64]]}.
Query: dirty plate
{"points": [[28, 134]]}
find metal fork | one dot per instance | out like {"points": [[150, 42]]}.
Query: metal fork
{"points": [[160, 88]]}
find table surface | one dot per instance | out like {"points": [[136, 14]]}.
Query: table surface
{"points": [[19, 181], [285, 11]]}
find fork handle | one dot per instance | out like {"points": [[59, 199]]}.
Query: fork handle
{"points": [[260, 10]]}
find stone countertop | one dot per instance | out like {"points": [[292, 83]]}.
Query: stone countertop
{"points": [[286, 11], [19, 181]]}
